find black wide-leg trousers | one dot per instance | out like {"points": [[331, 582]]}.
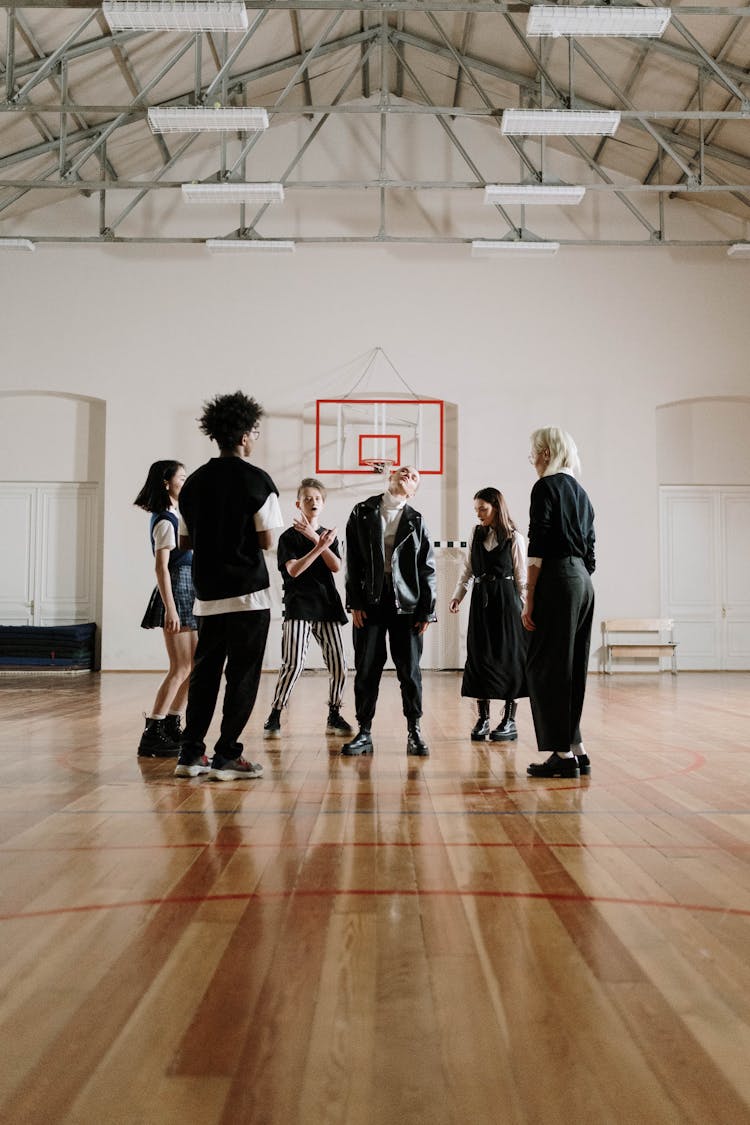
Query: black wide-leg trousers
{"points": [[558, 654], [382, 621], [239, 640]]}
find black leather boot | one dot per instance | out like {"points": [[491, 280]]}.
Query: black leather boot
{"points": [[506, 731], [360, 744], [415, 744], [156, 743], [173, 728], [482, 726]]}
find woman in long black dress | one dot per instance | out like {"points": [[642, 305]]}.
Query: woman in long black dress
{"points": [[495, 570]]}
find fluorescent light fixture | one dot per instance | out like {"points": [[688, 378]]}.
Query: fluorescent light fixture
{"points": [[739, 250], [175, 15], [534, 194], [16, 244], [482, 248], [556, 122], [233, 193], [239, 245], [199, 119], [596, 19]]}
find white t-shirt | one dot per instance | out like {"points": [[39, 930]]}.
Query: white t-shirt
{"points": [[164, 536], [391, 510]]}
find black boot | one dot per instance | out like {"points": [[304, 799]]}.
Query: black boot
{"points": [[173, 728], [155, 742], [506, 731], [360, 744], [272, 725], [415, 744], [337, 724], [482, 726]]}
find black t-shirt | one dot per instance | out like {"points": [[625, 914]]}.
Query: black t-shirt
{"points": [[218, 504], [312, 595]]}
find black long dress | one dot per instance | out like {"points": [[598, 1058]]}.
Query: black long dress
{"points": [[495, 643]]}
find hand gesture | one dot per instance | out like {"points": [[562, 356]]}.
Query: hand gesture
{"points": [[303, 525], [327, 538], [453, 605]]}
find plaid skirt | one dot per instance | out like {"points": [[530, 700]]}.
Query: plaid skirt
{"points": [[184, 596]]}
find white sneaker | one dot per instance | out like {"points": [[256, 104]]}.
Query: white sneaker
{"points": [[195, 768], [236, 770]]}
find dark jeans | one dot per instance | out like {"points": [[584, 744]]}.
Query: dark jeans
{"points": [[370, 655], [239, 639], [558, 654]]}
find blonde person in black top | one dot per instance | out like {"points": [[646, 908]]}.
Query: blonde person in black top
{"points": [[559, 608]]}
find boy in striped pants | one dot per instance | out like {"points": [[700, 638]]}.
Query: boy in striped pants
{"points": [[308, 557]]}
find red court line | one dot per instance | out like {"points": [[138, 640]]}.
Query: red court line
{"points": [[333, 892]]}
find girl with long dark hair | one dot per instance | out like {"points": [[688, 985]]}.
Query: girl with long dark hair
{"points": [[495, 570]]}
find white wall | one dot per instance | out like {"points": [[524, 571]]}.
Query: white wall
{"points": [[704, 442], [594, 340]]}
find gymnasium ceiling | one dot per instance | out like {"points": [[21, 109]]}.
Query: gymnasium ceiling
{"points": [[74, 139]]}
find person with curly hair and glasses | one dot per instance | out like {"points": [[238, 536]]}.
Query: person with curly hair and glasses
{"points": [[228, 510]]}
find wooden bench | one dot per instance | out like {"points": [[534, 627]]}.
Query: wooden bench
{"points": [[647, 637]]}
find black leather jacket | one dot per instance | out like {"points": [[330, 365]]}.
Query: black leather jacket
{"points": [[412, 564]]}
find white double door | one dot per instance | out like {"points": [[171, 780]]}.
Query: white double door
{"points": [[49, 571], [705, 574]]}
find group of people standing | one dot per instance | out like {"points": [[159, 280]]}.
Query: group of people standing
{"points": [[530, 618]]}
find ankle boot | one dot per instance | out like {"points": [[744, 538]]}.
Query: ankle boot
{"points": [[155, 742], [360, 744], [415, 744], [272, 725], [173, 727], [482, 726], [506, 731]]}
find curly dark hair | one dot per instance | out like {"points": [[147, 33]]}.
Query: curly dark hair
{"points": [[227, 418]]}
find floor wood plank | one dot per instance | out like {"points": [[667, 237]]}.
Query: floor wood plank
{"points": [[376, 941]]}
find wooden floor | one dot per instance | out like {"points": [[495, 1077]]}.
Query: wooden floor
{"points": [[372, 942]]}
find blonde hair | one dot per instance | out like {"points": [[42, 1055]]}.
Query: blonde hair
{"points": [[563, 452], [311, 482]]}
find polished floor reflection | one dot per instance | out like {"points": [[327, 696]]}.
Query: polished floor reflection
{"points": [[377, 941]]}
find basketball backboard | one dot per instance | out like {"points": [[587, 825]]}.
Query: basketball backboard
{"points": [[352, 433]]}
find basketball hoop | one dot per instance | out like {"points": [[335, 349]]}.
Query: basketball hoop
{"points": [[379, 465]]}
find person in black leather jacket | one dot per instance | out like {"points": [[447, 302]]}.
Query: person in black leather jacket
{"points": [[390, 591]]}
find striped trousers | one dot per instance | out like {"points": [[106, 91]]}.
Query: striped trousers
{"points": [[295, 641]]}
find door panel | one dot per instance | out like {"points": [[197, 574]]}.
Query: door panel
{"points": [[690, 587], [705, 540], [17, 519], [48, 575], [66, 554], [736, 579]]}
